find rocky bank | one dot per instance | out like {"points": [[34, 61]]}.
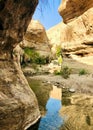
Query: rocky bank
{"points": [[18, 104]]}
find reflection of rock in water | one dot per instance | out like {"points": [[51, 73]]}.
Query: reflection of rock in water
{"points": [[52, 120], [56, 93]]}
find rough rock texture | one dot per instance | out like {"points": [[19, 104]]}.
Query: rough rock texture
{"points": [[77, 36], [18, 104], [15, 16], [77, 39], [71, 9], [54, 35], [79, 114], [36, 38]]}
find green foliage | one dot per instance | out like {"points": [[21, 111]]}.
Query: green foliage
{"points": [[34, 56], [56, 72], [82, 72], [88, 120], [65, 72], [60, 60], [58, 51]]}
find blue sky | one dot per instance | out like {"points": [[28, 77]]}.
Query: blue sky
{"points": [[47, 13]]}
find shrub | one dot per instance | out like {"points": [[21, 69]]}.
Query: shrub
{"points": [[56, 72], [82, 72], [58, 51], [65, 72], [35, 56]]}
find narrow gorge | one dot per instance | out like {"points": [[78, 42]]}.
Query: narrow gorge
{"points": [[39, 66]]}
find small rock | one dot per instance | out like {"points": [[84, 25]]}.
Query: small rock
{"points": [[72, 90]]}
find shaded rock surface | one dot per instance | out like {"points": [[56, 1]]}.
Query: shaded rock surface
{"points": [[18, 104], [36, 38]]}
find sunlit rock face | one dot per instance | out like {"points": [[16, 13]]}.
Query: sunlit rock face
{"points": [[18, 104], [36, 38], [77, 36]]}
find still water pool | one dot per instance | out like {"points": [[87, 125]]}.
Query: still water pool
{"points": [[52, 120]]}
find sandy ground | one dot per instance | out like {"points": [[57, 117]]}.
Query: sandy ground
{"points": [[81, 84], [86, 60]]}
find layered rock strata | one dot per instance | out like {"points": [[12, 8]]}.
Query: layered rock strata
{"points": [[77, 36], [75, 33]]}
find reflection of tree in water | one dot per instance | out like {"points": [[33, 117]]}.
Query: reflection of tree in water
{"points": [[52, 120]]}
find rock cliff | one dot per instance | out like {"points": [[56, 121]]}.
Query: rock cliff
{"points": [[77, 36], [76, 31], [36, 38], [18, 104], [77, 41]]}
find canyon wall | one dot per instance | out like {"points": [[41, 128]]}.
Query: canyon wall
{"points": [[76, 30], [77, 36], [18, 104], [36, 38], [77, 41]]}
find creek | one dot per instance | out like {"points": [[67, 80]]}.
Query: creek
{"points": [[52, 119]]}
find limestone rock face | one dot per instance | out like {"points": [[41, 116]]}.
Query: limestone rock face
{"points": [[18, 104], [54, 35], [77, 36], [36, 38], [71, 9], [76, 33]]}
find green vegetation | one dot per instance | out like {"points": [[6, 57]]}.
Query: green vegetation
{"points": [[64, 72], [32, 56], [88, 120], [58, 51], [82, 72], [56, 72]]}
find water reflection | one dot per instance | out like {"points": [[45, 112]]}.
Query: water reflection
{"points": [[52, 120]]}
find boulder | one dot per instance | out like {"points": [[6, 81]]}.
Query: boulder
{"points": [[36, 38], [77, 36], [18, 104]]}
